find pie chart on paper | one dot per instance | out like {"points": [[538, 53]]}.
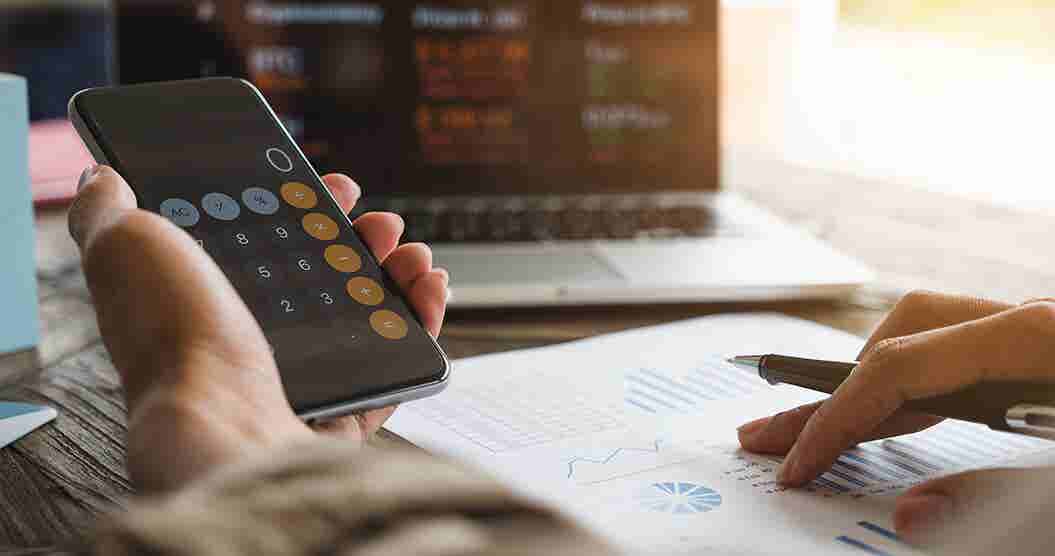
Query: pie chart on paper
{"points": [[678, 498]]}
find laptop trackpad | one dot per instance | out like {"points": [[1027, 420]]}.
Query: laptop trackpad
{"points": [[514, 266]]}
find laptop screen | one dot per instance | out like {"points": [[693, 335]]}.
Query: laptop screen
{"points": [[462, 97]]}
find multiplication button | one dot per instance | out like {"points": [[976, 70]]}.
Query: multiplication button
{"points": [[320, 226], [260, 201], [180, 212], [220, 206]]}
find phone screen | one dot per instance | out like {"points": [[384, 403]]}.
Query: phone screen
{"points": [[210, 156]]}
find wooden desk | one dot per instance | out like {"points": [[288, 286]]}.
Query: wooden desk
{"points": [[55, 482]]}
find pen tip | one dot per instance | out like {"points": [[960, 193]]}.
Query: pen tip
{"points": [[745, 361]]}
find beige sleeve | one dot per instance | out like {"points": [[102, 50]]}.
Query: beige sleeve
{"points": [[324, 498]]}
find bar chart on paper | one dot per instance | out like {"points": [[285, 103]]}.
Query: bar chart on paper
{"points": [[891, 465], [490, 417], [687, 390]]}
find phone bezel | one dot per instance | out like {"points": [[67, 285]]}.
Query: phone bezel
{"points": [[89, 136]]}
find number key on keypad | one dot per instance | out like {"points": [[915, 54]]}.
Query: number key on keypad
{"points": [[240, 241], [285, 235], [326, 300], [303, 266], [264, 273], [286, 309]]}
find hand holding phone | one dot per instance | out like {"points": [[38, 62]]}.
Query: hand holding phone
{"points": [[210, 156]]}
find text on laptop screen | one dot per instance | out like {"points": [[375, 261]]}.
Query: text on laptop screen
{"points": [[462, 97]]}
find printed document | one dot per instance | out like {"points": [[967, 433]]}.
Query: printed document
{"points": [[634, 434]]}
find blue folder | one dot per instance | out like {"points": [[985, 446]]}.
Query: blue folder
{"points": [[19, 322]]}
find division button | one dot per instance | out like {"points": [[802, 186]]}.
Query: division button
{"points": [[260, 201], [220, 206], [343, 258], [388, 324], [320, 226], [299, 195], [180, 212], [366, 291]]}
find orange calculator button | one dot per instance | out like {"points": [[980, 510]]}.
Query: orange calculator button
{"points": [[343, 258], [366, 291], [320, 226], [388, 324], [299, 195]]}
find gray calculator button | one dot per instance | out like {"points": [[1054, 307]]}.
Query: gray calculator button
{"points": [[220, 206], [260, 201], [180, 212]]}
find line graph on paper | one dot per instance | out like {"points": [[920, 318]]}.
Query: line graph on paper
{"points": [[581, 461], [602, 465]]}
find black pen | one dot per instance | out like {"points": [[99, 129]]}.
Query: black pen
{"points": [[1020, 407]]}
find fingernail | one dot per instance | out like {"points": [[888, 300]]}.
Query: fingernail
{"points": [[787, 471], [919, 515], [445, 274], [86, 176], [790, 472]]}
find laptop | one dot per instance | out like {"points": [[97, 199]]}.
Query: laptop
{"points": [[551, 152]]}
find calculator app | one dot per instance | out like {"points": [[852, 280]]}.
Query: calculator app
{"points": [[210, 158]]}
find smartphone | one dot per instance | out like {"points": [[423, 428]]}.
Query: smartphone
{"points": [[211, 156]]}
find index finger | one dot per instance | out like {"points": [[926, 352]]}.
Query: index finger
{"points": [[344, 190], [1012, 345], [923, 310]]}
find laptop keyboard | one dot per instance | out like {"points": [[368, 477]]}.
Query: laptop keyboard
{"points": [[555, 219]]}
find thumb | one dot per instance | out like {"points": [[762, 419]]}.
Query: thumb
{"points": [[938, 511], [103, 198]]}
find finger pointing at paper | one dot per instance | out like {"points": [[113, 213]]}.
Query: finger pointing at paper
{"points": [[930, 345]]}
